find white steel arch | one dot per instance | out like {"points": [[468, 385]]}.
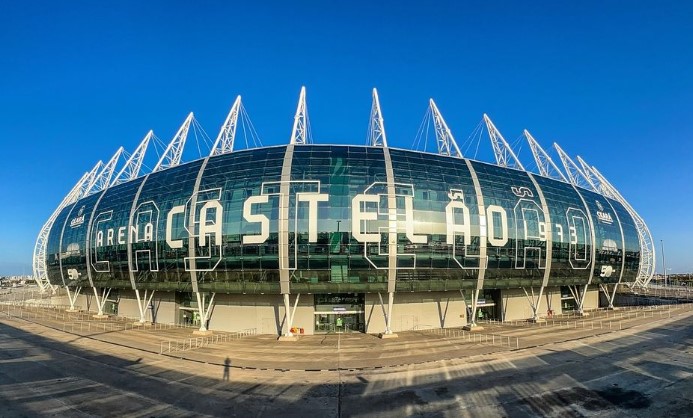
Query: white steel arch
{"points": [[227, 135], [300, 134], [544, 162], [446, 142], [132, 166], [376, 126], [174, 151], [648, 261], [39, 258], [505, 157]]}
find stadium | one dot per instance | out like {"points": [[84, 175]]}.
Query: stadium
{"points": [[305, 238]]}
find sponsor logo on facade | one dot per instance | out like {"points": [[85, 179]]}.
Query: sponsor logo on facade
{"points": [[603, 216], [78, 220]]}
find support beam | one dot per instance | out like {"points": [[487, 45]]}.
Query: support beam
{"points": [[534, 302], [132, 166], [376, 125], [289, 315], [483, 257], [204, 309], [610, 296], [101, 300], [505, 156], [579, 296], [387, 313], [143, 303], [174, 151], [227, 134], [72, 297], [548, 244], [300, 134], [471, 321], [466, 308], [446, 142]]}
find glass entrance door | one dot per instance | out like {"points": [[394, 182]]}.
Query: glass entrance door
{"points": [[338, 322], [339, 312]]}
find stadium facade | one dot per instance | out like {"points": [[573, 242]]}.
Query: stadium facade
{"points": [[320, 238]]}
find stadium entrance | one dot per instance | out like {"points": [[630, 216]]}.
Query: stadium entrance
{"points": [[339, 312]]}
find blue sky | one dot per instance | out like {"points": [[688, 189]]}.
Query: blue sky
{"points": [[608, 80]]}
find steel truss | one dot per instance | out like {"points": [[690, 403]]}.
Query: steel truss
{"points": [[227, 135], [103, 180], [132, 166], [544, 162], [174, 151], [300, 134], [575, 175], [91, 177], [505, 156], [446, 142], [376, 125]]}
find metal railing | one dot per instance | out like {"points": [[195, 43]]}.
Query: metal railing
{"points": [[476, 337], [186, 344]]}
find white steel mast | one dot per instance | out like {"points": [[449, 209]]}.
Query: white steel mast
{"points": [[103, 180], [227, 134], [300, 134], [444, 136], [590, 177], [505, 157], [543, 160], [574, 172], [132, 166], [376, 127], [174, 152]]}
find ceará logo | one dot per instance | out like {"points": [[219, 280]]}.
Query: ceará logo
{"points": [[79, 220]]}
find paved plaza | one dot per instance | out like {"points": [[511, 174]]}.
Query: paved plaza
{"points": [[635, 362]]}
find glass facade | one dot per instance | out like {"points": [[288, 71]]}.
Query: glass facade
{"points": [[338, 219]]}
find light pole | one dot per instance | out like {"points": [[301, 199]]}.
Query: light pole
{"points": [[664, 264]]}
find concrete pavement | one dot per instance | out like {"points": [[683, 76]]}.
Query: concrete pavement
{"points": [[643, 369]]}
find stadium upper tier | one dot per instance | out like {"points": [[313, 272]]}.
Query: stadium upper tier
{"points": [[328, 218]]}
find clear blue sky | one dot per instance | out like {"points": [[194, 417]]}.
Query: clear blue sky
{"points": [[611, 81]]}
